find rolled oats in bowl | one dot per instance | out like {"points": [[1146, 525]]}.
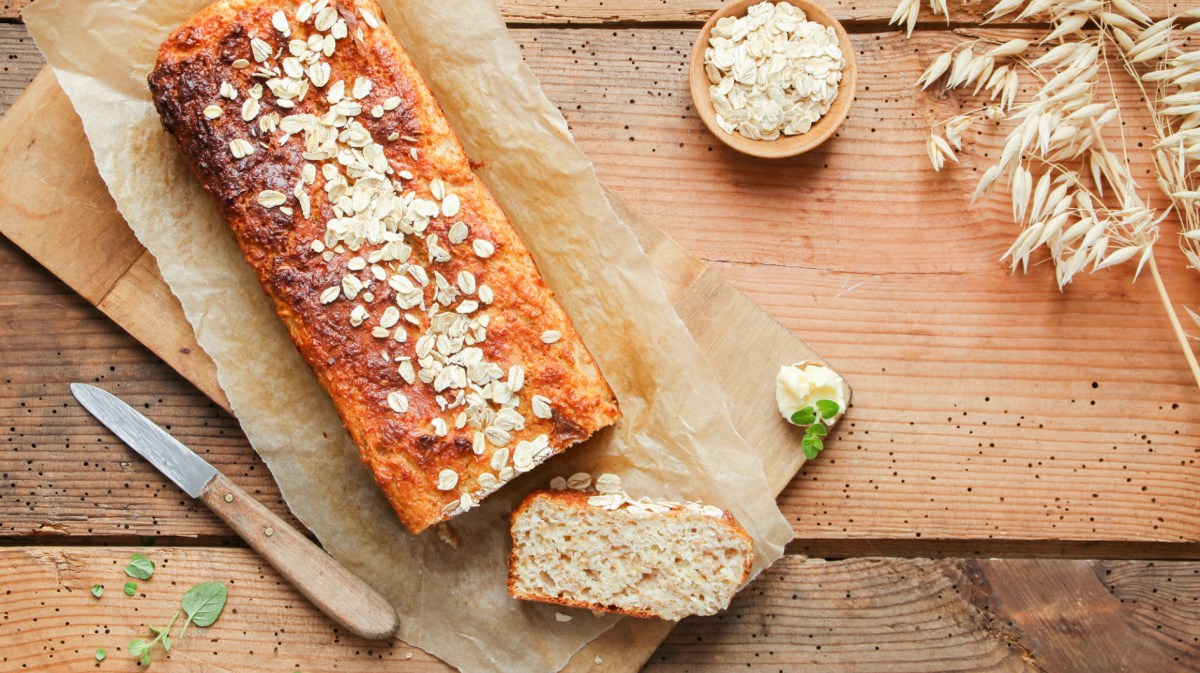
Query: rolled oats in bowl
{"points": [[772, 71]]}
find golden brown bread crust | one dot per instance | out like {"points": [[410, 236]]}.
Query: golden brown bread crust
{"points": [[359, 370], [579, 499]]}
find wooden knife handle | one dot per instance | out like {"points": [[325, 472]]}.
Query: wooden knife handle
{"points": [[343, 597]]}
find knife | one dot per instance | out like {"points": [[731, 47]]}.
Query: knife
{"points": [[343, 597]]}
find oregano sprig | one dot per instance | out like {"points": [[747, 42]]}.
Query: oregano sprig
{"points": [[144, 649], [816, 420], [202, 604]]}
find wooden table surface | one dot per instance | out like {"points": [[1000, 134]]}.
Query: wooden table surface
{"points": [[1015, 488]]}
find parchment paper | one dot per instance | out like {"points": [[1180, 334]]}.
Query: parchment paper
{"points": [[676, 439]]}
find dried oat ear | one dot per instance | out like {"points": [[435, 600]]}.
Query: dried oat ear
{"points": [[1070, 184]]}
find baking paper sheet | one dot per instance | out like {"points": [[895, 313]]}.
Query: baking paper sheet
{"points": [[676, 439]]}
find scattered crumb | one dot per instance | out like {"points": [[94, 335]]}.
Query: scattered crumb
{"points": [[447, 535], [561, 617]]}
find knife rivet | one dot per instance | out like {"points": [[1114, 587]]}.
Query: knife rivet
{"points": [[269, 531], [228, 497]]}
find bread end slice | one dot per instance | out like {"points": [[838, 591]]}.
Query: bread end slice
{"points": [[643, 559]]}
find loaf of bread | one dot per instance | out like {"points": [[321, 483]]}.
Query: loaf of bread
{"points": [[400, 280], [604, 551]]}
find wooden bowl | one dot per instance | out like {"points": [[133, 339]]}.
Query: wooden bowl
{"points": [[784, 146]]}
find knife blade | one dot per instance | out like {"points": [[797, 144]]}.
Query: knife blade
{"points": [[181, 465], [330, 586]]}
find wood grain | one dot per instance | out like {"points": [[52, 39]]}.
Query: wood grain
{"points": [[1067, 608], [20, 60], [1036, 425], [61, 473], [988, 407], [870, 615], [532, 12]]}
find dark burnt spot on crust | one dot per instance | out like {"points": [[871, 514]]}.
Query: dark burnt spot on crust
{"points": [[566, 430], [188, 37], [296, 285], [233, 43], [426, 442], [462, 445], [400, 121]]}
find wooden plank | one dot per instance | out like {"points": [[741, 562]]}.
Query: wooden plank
{"points": [[532, 12], [706, 190], [1139, 586], [566, 11], [975, 415], [63, 474], [629, 109], [50, 621], [872, 615], [41, 204], [77, 481], [875, 604], [20, 60], [1060, 609], [834, 548], [1021, 445]]}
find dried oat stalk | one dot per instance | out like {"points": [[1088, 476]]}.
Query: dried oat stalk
{"points": [[1072, 193], [908, 10]]}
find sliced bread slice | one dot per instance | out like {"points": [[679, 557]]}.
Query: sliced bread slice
{"points": [[603, 551]]}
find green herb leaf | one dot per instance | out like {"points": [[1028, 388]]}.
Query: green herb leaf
{"points": [[817, 429], [97, 590], [166, 641], [805, 416], [144, 660], [203, 603], [140, 567], [139, 647], [101, 654], [811, 445], [828, 408], [130, 588]]}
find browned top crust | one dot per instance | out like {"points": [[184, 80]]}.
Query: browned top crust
{"points": [[400, 280]]}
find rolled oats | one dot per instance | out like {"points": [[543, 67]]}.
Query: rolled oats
{"points": [[772, 72], [447, 479]]}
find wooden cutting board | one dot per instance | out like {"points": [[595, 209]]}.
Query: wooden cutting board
{"points": [[54, 205]]}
